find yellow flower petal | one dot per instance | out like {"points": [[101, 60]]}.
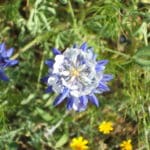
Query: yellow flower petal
{"points": [[79, 143], [106, 127], [126, 145]]}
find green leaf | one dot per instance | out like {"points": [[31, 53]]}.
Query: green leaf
{"points": [[28, 99], [142, 57], [64, 1], [80, 1], [62, 141], [13, 146], [44, 115]]}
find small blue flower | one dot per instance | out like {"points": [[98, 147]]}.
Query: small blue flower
{"points": [[5, 61], [76, 76]]}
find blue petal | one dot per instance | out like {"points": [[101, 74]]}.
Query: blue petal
{"points": [[4, 54], [44, 79], [10, 52], [101, 65], [2, 47], [14, 62], [103, 87], [3, 76], [83, 100], [49, 89], [74, 46], [83, 46], [11, 62], [49, 63], [56, 51], [93, 99], [91, 53], [80, 60], [61, 97], [83, 103], [102, 62], [107, 77], [70, 103]]}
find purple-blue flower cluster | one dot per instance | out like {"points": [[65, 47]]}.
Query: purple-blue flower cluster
{"points": [[76, 77], [5, 60]]}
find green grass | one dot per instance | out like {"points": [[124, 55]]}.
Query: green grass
{"points": [[33, 28]]}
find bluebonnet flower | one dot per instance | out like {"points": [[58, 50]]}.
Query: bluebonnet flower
{"points": [[76, 76], [5, 61]]}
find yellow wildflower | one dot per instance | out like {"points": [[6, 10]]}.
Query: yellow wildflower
{"points": [[106, 127], [126, 145], [79, 143]]}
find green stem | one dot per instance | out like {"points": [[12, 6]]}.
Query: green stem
{"points": [[10, 134], [145, 131], [72, 15], [40, 71], [51, 130], [119, 53], [26, 47], [37, 40]]}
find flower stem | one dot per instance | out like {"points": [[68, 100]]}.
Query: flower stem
{"points": [[49, 132], [145, 131], [72, 15], [26, 47], [40, 71], [37, 40], [119, 53]]}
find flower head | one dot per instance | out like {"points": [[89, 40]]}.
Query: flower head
{"points": [[5, 61], [79, 144], [126, 145], [106, 127], [76, 76]]}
